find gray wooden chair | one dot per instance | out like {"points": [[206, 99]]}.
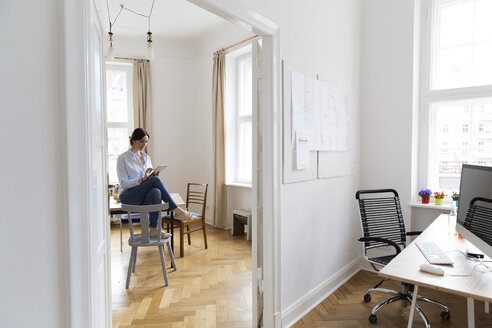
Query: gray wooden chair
{"points": [[144, 239]]}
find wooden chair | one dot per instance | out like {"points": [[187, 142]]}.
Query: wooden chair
{"points": [[196, 203]]}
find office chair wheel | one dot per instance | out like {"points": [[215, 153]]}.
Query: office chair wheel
{"points": [[373, 319], [445, 315], [367, 298]]}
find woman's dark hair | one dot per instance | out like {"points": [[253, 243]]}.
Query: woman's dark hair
{"points": [[138, 134]]}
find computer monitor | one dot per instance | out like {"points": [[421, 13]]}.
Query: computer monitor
{"points": [[476, 181]]}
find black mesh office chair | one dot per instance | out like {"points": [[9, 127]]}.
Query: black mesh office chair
{"points": [[478, 218], [382, 226]]}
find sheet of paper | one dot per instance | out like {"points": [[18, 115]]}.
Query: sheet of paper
{"points": [[302, 151], [298, 103], [311, 112], [321, 113]]}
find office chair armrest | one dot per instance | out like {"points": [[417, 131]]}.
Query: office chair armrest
{"points": [[382, 240], [413, 233]]}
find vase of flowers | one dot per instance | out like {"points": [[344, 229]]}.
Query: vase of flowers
{"points": [[425, 194], [455, 196], [439, 196]]}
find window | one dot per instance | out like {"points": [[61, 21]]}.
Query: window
{"points": [[119, 115], [238, 117], [462, 43], [456, 89]]}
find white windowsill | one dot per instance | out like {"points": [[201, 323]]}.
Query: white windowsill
{"points": [[431, 206], [236, 184]]}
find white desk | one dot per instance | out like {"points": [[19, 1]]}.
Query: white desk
{"points": [[406, 268]]}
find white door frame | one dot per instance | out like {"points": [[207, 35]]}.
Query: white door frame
{"points": [[271, 121], [74, 22]]}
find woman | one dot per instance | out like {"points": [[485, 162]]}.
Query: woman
{"points": [[137, 187]]}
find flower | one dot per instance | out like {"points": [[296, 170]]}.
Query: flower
{"points": [[440, 195], [455, 195], [425, 193]]}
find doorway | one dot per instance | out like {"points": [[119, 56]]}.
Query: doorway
{"points": [[267, 190]]}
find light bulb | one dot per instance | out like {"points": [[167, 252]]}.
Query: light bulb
{"points": [[150, 51], [110, 53]]}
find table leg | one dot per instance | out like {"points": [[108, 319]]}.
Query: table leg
{"points": [[121, 235], [172, 230], [470, 303], [414, 303]]}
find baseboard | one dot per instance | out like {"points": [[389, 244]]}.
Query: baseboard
{"points": [[312, 299]]}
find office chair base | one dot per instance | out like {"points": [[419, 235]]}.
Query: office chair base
{"points": [[445, 315]]}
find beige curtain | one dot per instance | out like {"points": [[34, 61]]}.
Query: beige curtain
{"points": [[142, 97], [220, 205]]}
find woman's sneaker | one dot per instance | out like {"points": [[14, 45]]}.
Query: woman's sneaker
{"points": [[186, 216], [154, 232]]}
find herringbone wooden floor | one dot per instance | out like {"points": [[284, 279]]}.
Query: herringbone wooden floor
{"points": [[211, 288], [346, 308]]}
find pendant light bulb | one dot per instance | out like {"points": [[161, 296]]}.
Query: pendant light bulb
{"points": [[110, 52], [150, 48]]}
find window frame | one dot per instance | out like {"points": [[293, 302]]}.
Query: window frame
{"points": [[427, 176], [128, 67], [232, 117]]}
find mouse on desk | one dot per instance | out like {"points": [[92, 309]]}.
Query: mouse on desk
{"points": [[432, 269]]}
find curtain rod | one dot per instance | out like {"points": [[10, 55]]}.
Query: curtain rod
{"points": [[129, 58], [240, 42], [226, 48]]}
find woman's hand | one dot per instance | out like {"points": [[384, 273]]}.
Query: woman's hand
{"points": [[146, 176]]}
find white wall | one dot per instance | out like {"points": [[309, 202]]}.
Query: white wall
{"points": [[182, 107], [319, 222], [387, 97], [31, 130]]}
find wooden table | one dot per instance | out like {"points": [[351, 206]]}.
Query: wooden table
{"points": [[472, 284], [115, 208]]}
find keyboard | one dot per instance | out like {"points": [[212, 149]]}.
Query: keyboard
{"points": [[433, 253]]}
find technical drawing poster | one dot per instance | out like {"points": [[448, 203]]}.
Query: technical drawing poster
{"points": [[321, 113]]}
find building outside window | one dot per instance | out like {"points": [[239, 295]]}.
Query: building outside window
{"points": [[119, 113], [456, 89], [238, 117]]}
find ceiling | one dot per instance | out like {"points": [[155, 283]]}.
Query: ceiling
{"points": [[175, 19]]}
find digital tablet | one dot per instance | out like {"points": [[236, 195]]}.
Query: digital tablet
{"points": [[158, 169]]}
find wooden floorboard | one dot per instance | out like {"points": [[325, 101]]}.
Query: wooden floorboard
{"points": [[211, 288], [346, 308]]}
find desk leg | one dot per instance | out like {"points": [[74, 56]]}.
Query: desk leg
{"points": [[414, 303], [486, 307], [470, 303]]}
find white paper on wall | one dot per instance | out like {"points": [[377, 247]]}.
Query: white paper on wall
{"points": [[298, 102], [302, 151], [321, 113]]}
